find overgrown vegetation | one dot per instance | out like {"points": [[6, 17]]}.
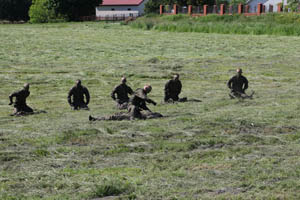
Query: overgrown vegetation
{"points": [[14, 10], [215, 149], [268, 24], [43, 11]]}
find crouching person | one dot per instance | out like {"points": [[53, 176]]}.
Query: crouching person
{"points": [[20, 106]]}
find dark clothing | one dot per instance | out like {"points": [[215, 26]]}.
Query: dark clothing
{"points": [[78, 93], [122, 98], [238, 84], [20, 102], [122, 92], [172, 90]]}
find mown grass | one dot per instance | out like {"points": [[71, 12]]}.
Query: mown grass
{"points": [[285, 24], [214, 149]]}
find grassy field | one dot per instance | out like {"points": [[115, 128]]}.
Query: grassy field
{"points": [[216, 149], [280, 24]]}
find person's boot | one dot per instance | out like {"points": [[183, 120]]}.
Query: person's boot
{"points": [[91, 118]]}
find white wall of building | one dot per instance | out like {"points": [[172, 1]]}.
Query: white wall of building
{"points": [[267, 3], [102, 11]]}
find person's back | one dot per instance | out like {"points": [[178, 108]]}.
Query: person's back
{"points": [[20, 101], [21, 96], [139, 97], [173, 89], [76, 96], [122, 92], [238, 83]]}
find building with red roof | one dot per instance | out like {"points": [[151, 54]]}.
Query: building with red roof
{"points": [[118, 8]]}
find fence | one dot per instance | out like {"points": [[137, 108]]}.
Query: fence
{"points": [[247, 10], [115, 17]]}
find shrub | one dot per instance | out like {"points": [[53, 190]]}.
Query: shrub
{"points": [[40, 12]]}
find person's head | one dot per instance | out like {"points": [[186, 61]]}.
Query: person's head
{"points": [[78, 82], [26, 86], [176, 77], [147, 88], [123, 80], [239, 71]]}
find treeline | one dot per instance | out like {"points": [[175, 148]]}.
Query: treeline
{"points": [[152, 6], [39, 11], [14, 10]]}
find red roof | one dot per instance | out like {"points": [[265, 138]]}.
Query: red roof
{"points": [[121, 2]]}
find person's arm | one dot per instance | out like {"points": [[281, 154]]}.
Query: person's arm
{"points": [[70, 94], [87, 96], [129, 90], [11, 98], [229, 84], [167, 88], [113, 93], [245, 85], [179, 87], [150, 101]]}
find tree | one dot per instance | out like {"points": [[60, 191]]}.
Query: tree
{"points": [[74, 9], [41, 11], [14, 10]]}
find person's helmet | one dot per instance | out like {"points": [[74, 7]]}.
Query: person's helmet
{"points": [[176, 76], [123, 80], [147, 88], [26, 86], [239, 70], [78, 82]]}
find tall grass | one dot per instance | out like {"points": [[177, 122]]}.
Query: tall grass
{"points": [[285, 24]]}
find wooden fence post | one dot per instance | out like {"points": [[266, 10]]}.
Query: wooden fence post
{"points": [[222, 9], [259, 9], [263, 9], [240, 9], [190, 10], [205, 10], [278, 8], [175, 9], [161, 9]]}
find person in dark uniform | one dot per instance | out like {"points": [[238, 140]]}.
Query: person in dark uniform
{"points": [[20, 106], [137, 108], [238, 84], [76, 96], [173, 89], [122, 92]]}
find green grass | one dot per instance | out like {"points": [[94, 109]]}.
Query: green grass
{"points": [[216, 149], [284, 24]]}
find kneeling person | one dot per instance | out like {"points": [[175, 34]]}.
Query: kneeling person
{"points": [[76, 96], [137, 108], [20, 106], [173, 89], [122, 92], [238, 84]]}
